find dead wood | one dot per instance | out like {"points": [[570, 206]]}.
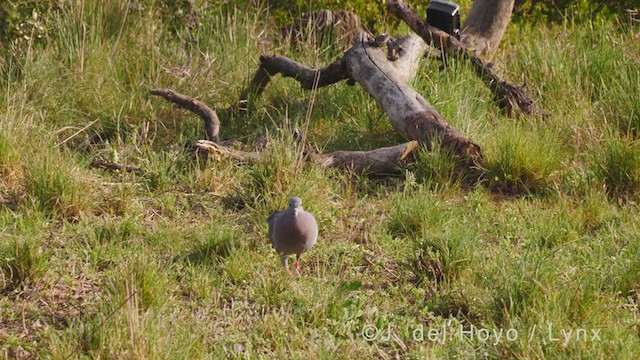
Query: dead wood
{"points": [[383, 67], [306, 76], [381, 161], [409, 112], [211, 121], [210, 149], [511, 98]]}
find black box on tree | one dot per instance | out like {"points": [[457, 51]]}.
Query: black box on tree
{"points": [[444, 15]]}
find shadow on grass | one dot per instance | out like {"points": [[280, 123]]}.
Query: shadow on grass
{"points": [[212, 247]]}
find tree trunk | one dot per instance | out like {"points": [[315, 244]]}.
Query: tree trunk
{"points": [[485, 25]]}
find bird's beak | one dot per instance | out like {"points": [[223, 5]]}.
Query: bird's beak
{"points": [[295, 212]]}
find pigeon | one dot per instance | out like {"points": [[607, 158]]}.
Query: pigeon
{"points": [[293, 231]]}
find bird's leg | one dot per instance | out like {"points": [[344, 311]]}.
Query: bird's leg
{"points": [[284, 259], [297, 264]]}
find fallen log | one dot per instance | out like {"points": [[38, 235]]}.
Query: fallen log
{"points": [[409, 112], [381, 161], [383, 67]]}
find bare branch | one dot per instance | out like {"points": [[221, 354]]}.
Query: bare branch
{"points": [[306, 76], [217, 151], [383, 68], [382, 161], [211, 121], [409, 112]]}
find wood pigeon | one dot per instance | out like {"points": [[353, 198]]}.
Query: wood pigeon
{"points": [[293, 231]]}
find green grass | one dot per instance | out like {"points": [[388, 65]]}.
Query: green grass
{"points": [[21, 262], [175, 263], [616, 165]]}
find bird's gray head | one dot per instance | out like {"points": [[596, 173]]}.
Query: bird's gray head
{"points": [[295, 203]]}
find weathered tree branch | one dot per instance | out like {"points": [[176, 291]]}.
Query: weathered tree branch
{"points": [[211, 121], [408, 111], [206, 148], [510, 97], [382, 161], [307, 77]]}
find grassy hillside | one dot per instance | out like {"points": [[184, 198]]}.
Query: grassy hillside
{"points": [[174, 263]]}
